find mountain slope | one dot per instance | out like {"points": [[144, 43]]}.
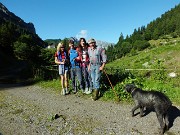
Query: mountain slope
{"points": [[168, 54], [6, 15]]}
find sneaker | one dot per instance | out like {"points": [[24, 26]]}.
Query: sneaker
{"points": [[89, 91], [86, 90], [74, 91], [63, 91], [66, 91]]}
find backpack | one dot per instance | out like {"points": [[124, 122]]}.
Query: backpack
{"points": [[66, 58]]}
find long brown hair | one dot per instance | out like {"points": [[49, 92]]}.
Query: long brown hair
{"points": [[79, 44]]}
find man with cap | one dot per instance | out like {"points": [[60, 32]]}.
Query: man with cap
{"points": [[97, 58]]}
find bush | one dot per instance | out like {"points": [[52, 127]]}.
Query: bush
{"points": [[141, 45]]}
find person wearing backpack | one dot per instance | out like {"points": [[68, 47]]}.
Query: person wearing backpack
{"points": [[75, 68], [61, 58], [97, 59]]}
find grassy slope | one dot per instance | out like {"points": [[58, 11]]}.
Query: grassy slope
{"points": [[168, 52]]}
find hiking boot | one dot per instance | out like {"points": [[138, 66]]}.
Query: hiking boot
{"points": [[63, 92], [95, 95]]}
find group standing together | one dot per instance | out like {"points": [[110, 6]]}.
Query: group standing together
{"points": [[85, 62]]}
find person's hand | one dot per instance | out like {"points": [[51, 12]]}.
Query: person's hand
{"points": [[63, 61], [101, 68]]}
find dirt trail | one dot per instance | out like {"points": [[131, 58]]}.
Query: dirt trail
{"points": [[31, 110]]}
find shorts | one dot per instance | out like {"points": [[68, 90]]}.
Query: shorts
{"points": [[63, 70]]}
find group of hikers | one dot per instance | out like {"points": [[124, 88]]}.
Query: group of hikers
{"points": [[85, 63]]}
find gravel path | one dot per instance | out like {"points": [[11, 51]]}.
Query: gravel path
{"points": [[31, 110]]}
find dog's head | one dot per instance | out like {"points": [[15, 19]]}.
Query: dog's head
{"points": [[130, 88]]}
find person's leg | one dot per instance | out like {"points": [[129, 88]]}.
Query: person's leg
{"points": [[62, 84], [90, 82], [97, 77], [96, 82], [73, 79], [66, 81], [61, 73], [92, 73], [79, 76], [62, 81], [85, 78], [88, 87]]}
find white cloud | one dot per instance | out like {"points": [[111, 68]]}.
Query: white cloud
{"points": [[82, 33]]}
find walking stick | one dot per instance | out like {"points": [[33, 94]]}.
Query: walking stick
{"points": [[111, 85]]}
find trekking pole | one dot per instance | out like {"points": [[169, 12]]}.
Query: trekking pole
{"points": [[111, 84]]}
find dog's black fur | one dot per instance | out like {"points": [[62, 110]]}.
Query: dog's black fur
{"points": [[151, 99]]}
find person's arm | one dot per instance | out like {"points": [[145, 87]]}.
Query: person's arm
{"points": [[104, 59], [89, 66], [102, 66], [79, 55], [57, 61], [89, 63]]}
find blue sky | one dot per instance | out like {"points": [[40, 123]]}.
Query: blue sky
{"points": [[100, 19]]}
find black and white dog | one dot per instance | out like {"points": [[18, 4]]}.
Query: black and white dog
{"points": [[151, 99]]}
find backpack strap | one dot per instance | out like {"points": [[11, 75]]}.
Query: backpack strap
{"points": [[60, 57]]}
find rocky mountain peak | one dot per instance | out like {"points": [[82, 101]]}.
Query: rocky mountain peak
{"points": [[104, 44], [6, 15], [3, 8]]}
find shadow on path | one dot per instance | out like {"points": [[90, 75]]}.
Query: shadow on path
{"points": [[4, 86], [174, 112]]}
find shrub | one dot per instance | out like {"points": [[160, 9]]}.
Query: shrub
{"points": [[140, 45]]}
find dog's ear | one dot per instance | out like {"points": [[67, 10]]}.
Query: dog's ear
{"points": [[130, 87]]}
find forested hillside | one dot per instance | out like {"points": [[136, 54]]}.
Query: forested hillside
{"points": [[17, 37], [166, 26], [20, 46]]}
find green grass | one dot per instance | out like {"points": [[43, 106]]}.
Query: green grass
{"points": [[150, 68], [169, 54], [54, 84]]}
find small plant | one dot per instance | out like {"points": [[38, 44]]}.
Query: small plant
{"points": [[159, 73]]}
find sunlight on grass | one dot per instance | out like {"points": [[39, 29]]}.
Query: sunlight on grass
{"points": [[53, 84]]}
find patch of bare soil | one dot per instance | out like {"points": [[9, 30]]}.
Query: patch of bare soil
{"points": [[32, 110]]}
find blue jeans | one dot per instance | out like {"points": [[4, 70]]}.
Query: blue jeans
{"points": [[76, 72], [95, 76], [87, 77]]}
